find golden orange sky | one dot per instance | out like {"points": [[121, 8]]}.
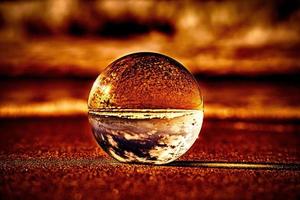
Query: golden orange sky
{"points": [[76, 38]]}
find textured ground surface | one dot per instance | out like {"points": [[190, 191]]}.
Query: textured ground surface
{"points": [[56, 158], [47, 150]]}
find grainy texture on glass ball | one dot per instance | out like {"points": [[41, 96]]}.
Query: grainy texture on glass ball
{"points": [[145, 81]]}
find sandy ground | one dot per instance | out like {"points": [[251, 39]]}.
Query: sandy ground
{"points": [[58, 158]]}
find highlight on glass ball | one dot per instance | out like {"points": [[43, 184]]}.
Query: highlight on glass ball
{"points": [[145, 108]]}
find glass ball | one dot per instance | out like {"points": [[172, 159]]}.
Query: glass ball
{"points": [[145, 108]]}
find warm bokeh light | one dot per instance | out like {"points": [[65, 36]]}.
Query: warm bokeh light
{"points": [[74, 107], [213, 39], [209, 37], [223, 99]]}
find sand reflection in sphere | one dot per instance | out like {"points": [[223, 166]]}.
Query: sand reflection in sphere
{"points": [[145, 107]]}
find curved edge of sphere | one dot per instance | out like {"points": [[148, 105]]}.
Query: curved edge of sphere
{"points": [[145, 81]]}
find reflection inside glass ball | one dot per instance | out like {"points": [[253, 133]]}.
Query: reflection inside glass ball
{"points": [[145, 107]]}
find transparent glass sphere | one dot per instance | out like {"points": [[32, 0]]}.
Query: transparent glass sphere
{"points": [[145, 107]]}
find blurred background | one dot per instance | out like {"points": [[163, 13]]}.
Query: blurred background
{"points": [[245, 54]]}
